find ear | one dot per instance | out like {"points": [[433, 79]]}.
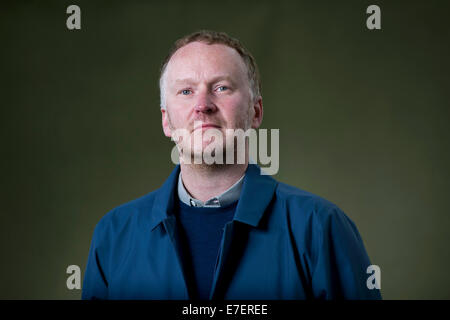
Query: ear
{"points": [[258, 113], [165, 123]]}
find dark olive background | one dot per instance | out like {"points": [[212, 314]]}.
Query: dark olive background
{"points": [[362, 116]]}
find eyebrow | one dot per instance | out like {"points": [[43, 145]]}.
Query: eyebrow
{"points": [[215, 79]]}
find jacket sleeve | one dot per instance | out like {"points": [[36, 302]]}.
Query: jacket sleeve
{"points": [[95, 284], [340, 270]]}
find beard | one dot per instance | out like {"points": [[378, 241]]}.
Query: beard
{"points": [[212, 147]]}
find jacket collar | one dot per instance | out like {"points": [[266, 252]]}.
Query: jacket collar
{"points": [[257, 192]]}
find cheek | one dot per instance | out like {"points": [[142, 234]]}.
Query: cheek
{"points": [[236, 107], [240, 115], [177, 111]]}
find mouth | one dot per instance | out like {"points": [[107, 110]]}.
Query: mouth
{"points": [[205, 126]]}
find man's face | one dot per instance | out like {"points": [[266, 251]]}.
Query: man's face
{"points": [[208, 83]]}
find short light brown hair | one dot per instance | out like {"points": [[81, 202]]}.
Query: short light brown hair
{"points": [[214, 37]]}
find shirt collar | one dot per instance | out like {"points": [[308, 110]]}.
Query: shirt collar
{"points": [[227, 197]]}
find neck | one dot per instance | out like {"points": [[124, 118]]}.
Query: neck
{"points": [[206, 181]]}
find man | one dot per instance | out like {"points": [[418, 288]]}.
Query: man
{"points": [[221, 230]]}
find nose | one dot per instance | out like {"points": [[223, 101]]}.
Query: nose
{"points": [[204, 103]]}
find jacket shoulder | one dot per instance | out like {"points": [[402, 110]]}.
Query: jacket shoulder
{"points": [[306, 208], [137, 210], [296, 198]]}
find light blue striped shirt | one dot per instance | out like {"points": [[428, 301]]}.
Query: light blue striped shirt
{"points": [[225, 198]]}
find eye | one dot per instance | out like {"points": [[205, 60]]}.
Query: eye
{"points": [[222, 88], [185, 92]]}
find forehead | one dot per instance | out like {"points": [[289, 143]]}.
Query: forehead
{"points": [[202, 61]]}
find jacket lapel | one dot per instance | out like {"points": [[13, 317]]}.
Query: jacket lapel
{"points": [[257, 193], [163, 213]]}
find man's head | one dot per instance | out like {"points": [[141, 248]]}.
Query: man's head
{"points": [[209, 77], [212, 37]]}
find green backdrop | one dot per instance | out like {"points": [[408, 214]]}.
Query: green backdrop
{"points": [[362, 116]]}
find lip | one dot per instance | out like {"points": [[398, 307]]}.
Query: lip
{"points": [[207, 126]]}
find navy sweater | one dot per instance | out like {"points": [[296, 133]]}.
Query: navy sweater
{"points": [[201, 230]]}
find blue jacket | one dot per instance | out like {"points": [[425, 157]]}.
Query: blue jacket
{"points": [[283, 243]]}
